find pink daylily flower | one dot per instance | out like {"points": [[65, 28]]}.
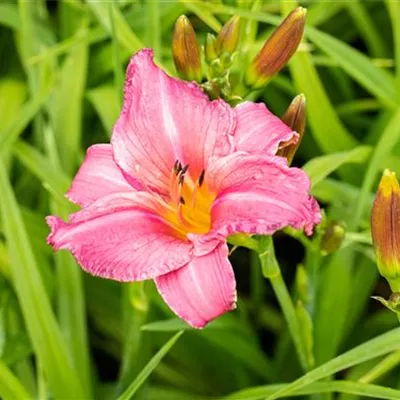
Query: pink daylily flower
{"points": [[180, 175]]}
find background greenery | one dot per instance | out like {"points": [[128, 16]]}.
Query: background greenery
{"points": [[67, 335]]}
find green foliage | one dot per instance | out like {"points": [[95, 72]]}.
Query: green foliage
{"points": [[65, 334]]}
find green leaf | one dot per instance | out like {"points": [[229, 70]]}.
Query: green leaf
{"points": [[356, 388], [66, 108], [201, 10], [148, 369], [381, 345], [10, 387], [36, 308], [320, 167], [388, 139], [54, 179], [9, 16], [176, 324], [125, 35], [106, 101], [10, 134], [377, 81]]}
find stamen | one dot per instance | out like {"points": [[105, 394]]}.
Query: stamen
{"points": [[185, 168], [182, 200], [201, 177], [181, 178]]}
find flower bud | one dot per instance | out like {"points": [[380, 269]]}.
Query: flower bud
{"points": [[209, 48], [295, 118], [332, 238], [228, 37], [385, 229], [278, 49], [186, 50]]}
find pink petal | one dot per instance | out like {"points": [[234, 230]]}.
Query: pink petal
{"points": [[202, 290], [119, 238], [258, 131], [165, 119], [98, 177], [260, 194]]}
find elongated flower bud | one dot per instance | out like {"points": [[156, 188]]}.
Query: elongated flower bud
{"points": [[385, 229], [209, 49], [278, 49], [295, 118], [228, 37], [186, 50]]}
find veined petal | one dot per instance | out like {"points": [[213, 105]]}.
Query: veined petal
{"points": [[201, 290], [259, 194], [165, 119], [98, 176], [258, 131], [119, 237]]}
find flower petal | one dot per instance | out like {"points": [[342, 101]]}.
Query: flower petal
{"points": [[202, 290], [165, 119], [98, 176], [258, 131], [118, 238], [259, 194]]}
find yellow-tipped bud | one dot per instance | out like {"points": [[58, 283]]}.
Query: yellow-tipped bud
{"points": [[228, 36], [385, 229], [332, 238], [209, 49], [186, 50], [295, 118], [278, 49]]}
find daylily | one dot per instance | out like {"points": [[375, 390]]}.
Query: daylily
{"points": [[180, 175]]}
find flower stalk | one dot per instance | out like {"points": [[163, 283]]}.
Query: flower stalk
{"points": [[271, 270]]}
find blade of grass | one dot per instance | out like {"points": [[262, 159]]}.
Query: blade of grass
{"points": [[394, 12], [198, 8], [106, 101], [67, 107], [148, 369], [377, 81], [374, 348], [9, 16], [41, 167], [320, 167], [387, 141], [10, 387], [71, 301], [153, 26], [118, 73], [28, 111], [38, 315], [367, 390], [367, 28], [124, 33]]}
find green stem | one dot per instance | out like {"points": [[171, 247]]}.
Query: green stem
{"points": [[271, 270], [386, 365]]}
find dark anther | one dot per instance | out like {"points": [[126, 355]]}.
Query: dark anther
{"points": [[201, 177], [182, 200], [181, 178], [185, 168], [177, 167]]}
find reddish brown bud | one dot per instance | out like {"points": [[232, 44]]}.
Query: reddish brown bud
{"points": [[278, 49], [385, 229], [186, 50], [295, 118], [228, 36]]}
